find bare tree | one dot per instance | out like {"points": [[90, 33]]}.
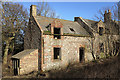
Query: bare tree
{"points": [[14, 20], [44, 9], [114, 11], [119, 17]]}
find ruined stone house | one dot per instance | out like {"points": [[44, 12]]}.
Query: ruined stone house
{"points": [[52, 43]]}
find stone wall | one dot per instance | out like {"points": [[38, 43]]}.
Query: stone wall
{"points": [[107, 40], [69, 51], [32, 38], [97, 40], [27, 37], [29, 63]]}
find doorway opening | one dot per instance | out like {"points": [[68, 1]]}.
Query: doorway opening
{"points": [[16, 65], [81, 54]]}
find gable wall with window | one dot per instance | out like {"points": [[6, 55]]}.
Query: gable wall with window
{"points": [[101, 28]]}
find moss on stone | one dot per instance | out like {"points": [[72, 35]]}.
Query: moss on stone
{"points": [[102, 55], [47, 32], [76, 35], [65, 34]]}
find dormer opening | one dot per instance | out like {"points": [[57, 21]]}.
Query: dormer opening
{"points": [[101, 30], [72, 29], [57, 33]]}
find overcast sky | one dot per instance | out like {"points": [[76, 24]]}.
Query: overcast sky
{"points": [[69, 10]]}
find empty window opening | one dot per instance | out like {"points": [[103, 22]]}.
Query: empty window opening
{"points": [[57, 52], [72, 29], [100, 30], [81, 54], [57, 33], [101, 47]]}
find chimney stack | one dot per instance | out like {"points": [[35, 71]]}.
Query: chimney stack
{"points": [[105, 12], [107, 16], [33, 10]]}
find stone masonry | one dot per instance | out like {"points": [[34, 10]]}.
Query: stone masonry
{"points": [[29, 63], [69, 54]]}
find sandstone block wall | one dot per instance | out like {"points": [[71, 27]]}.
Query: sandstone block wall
{"points": [[29, 63]]}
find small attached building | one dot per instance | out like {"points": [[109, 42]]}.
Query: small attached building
{"points": [[25, 62]]}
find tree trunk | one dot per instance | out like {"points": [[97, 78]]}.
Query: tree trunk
{"points": [[6, 53], [12, 47]]}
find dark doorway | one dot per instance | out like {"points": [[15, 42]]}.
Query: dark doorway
{"points": [[16, 66], [57, 33], [81, 54]]}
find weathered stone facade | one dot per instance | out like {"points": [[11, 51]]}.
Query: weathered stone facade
{"points": [[107, 41], [62, 42], [69, 51], [109, 38]]}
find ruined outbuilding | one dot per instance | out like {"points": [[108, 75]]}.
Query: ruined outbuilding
{"points": [[63, 42]]}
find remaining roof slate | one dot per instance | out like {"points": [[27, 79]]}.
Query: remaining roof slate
{"points": [[23, 53], [67, 25], [112, 29], [90, 22]]}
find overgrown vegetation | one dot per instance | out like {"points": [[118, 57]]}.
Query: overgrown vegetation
{"points": [[101, 68]]}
